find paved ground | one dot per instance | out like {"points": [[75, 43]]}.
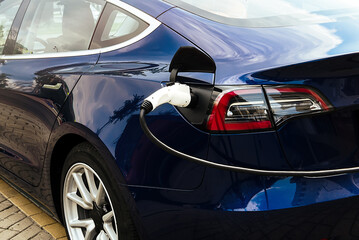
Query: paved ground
{"points": [[20, 219]]}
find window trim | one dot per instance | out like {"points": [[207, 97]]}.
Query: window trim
{"points": [[97, 42], [15, 26], [152, 22]]}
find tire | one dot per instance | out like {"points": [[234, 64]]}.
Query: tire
{"points": [[91, 203]]}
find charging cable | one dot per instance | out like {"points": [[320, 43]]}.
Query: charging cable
{"points": [[180, 95]]}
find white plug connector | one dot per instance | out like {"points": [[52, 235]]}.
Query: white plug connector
{"points": [[177, 94]]}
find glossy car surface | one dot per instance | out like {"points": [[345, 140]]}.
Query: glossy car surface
{"points": [[69, 78]]}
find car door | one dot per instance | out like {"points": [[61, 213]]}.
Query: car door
{"points": [[43, 58]]}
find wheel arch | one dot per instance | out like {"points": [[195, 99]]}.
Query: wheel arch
{"points": [[59, 153], [63, 139]]}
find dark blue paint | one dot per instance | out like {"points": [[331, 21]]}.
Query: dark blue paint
{"points": [[33, 109], [334, 77], [322, 141], [175, 215], [153, 8], [240, 51], [297, 192], [258, 150], [107, 99], [176, 199]]}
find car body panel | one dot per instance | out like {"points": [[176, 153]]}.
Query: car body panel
{"points": [[325, 62], [26, 86], [107, 99], [239, 52], [255, 150], [296, 192], [170, 198], [325, 141], [153, 8], [165, 216]]}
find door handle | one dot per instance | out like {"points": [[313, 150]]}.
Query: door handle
{"points": [[52, 86]]}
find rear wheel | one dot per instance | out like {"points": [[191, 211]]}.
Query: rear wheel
{"points": [[91, 206]]}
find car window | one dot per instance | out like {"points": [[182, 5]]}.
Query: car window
{"points": [[119, 25], [52, 26], [116, 26], [8, 10]]}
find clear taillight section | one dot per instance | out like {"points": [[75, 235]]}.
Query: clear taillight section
{"points": [[287, 102], [238, 110], [247, 109]]}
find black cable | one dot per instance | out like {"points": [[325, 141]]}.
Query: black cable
{"points": [[319, 173]]}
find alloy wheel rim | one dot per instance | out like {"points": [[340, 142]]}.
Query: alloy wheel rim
{"points": [[88, 210]]}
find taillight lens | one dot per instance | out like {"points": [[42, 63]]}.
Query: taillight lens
{"points": [[238, 110], [246, 109], [288, 102]]}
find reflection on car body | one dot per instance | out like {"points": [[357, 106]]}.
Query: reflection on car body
{"points": [[284, 96]]}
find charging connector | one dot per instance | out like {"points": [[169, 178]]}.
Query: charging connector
{"points": [[176, 94]]}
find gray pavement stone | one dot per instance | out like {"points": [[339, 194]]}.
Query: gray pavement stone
{"points": [[5, 205], [10, 220], [42, 236], [2, 198], [7, 234], [15, 225], [8, 211], [22, 225], [28, 233]]}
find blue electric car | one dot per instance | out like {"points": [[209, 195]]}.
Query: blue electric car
{"points": [[274, 86]]}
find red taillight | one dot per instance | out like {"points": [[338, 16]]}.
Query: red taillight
{"points": [[247, 109], [288, 102], [238, 110]]}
